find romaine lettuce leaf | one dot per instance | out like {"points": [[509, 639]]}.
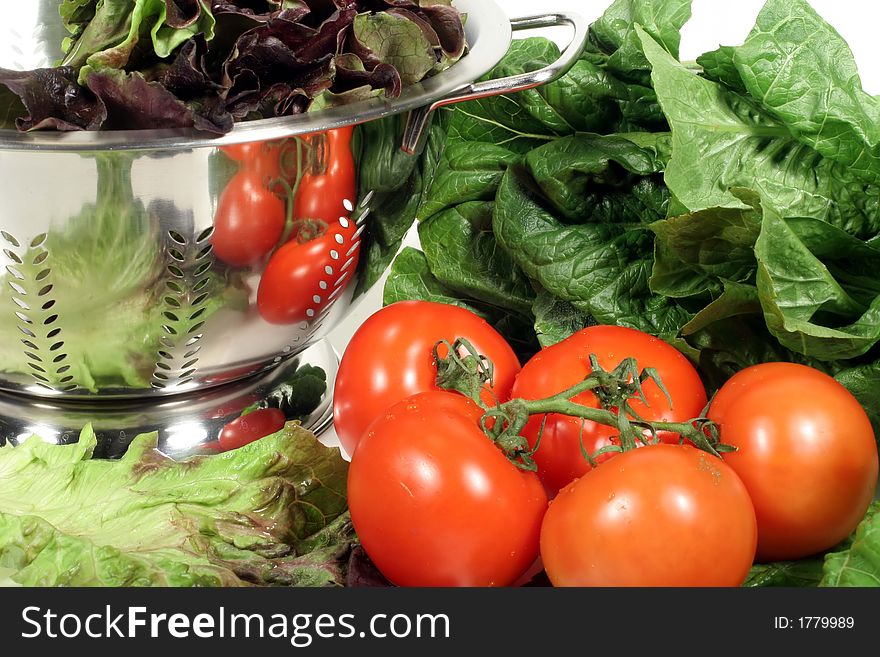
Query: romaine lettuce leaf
{"points": [[272, 512], [857, 563]]}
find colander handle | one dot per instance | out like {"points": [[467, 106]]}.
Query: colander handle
{"points": [[418, 119]]}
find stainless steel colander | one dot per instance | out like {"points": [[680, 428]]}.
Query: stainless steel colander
{"points": [[111, 285], [118, 304]]}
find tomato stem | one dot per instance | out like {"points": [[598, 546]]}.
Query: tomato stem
{"points": [[466, 371]]}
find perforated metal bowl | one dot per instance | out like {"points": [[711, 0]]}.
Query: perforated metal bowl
{"points": [[152, 197], [119, 308]]}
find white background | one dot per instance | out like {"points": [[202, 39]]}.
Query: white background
{"points": [[714, 22]]}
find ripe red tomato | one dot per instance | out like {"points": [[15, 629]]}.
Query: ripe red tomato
{"points": [[663, 515], [272, 161], [390, 357], [248, 222], [566, 363], [806, 454], [302, 274], [436, 503], [328, 183], [253, 426]]}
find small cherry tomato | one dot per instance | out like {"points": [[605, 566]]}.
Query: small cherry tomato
{"points": [[253, 426]]}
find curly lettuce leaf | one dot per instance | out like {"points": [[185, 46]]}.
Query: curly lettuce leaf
{"points": [[576, 219], [272, 512], [803, 73], [722, 140], [112, 34]]}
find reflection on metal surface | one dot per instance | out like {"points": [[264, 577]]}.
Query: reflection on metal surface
{"points": [[168, 271], [187, 423], [172, 272]]}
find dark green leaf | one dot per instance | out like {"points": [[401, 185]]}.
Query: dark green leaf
{"points": [[818, 288], [863, 381], [600, 267], [806, 572], [410, 278], [463, 254], [598, 178], [466, 173], [695, 250], [555, 320]]}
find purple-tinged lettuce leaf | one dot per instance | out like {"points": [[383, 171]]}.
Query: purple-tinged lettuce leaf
{"points": [[330, 37], [49, 98], [447, 23], [398, 41], [133, 103]]}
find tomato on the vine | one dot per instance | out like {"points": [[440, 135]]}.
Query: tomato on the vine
{"points": [[328, 183], [250, 427], [274, 161], [390, 357], [557, 368], [248, 222], [304, 274], [435, 503], [806, 453], [662, 515]]}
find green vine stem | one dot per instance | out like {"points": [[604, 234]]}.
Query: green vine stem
{"points": [[466, 371]]}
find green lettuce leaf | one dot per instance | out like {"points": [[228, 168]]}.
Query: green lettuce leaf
{"points": [[589, 242], [722, 140], [858, 562], [272, 512], [804, 74], [113, 33], [818, 288]]}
